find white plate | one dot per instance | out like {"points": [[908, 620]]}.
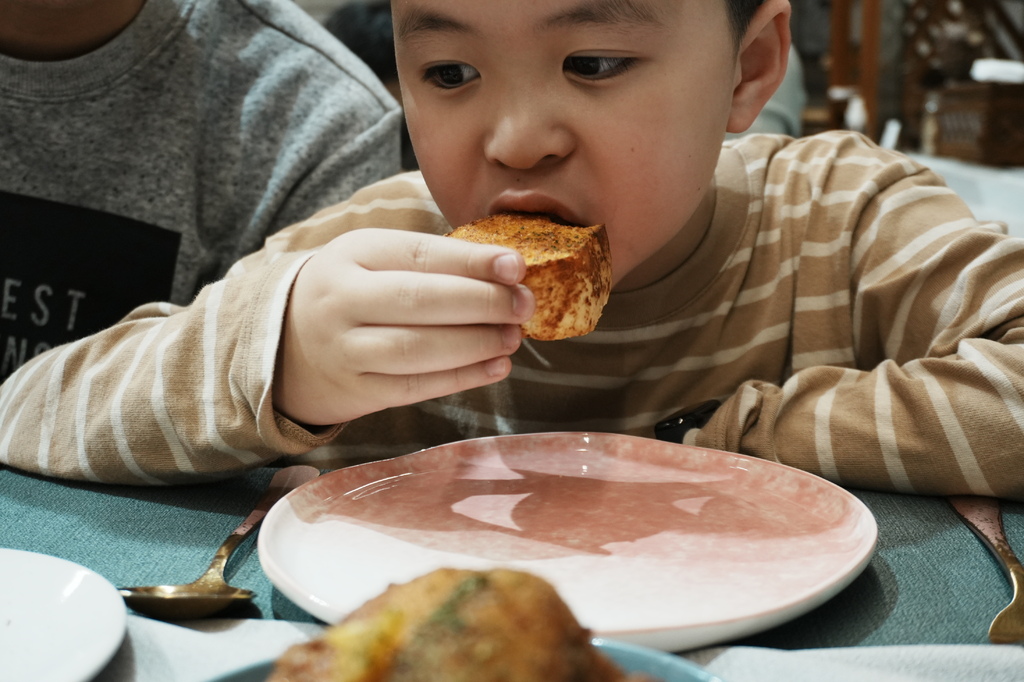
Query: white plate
{"points": [[663, 545], [60, 621]]}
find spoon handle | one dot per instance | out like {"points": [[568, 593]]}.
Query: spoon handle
{"points": [[282, 483], [983, 516]]}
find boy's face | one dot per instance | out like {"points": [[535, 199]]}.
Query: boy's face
{"points": [[597, 111]]}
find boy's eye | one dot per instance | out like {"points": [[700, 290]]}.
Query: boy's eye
{"points": [[450, 76], [596, 68]]}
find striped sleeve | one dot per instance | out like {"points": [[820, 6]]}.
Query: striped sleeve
{"points": [[165, 395], [178, 394], [920, 389]]}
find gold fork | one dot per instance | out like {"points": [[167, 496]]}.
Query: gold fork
{"points": [[984, 516]]}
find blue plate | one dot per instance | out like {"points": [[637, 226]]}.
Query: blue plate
{"points": [[658, 664], [630, 657]]}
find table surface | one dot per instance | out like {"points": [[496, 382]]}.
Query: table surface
{"points": [[930, 580]]}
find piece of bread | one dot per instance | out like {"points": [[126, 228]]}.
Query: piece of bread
{"points": [[455, 625], [568, 269]]}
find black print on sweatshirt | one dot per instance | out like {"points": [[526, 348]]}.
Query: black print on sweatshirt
{"points": [[67, 272]]}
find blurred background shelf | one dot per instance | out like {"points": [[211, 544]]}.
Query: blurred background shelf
{"points": [[907, 59]]}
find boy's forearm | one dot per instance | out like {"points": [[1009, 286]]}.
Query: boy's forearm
{"points": [[915, 382], [141, 416], [941, 425], [167, 395]]}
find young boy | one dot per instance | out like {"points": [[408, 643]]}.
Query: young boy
{"points": [[845, 308]]}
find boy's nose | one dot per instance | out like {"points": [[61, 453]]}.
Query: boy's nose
{"points": [[528, 138]]}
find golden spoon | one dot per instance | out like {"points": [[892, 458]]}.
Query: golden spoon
{"points": [[211, 594], [983, 516]]}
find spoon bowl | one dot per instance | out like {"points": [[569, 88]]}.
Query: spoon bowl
{"points": [[210, 593], [184, 602]]}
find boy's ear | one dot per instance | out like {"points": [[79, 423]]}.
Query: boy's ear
{"points": [[760, 64]]}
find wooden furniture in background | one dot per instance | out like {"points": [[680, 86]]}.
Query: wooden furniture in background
{"points": [[940, 40], [981, 122], [853, 63]]}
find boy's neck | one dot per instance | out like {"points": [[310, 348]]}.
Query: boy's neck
{"points": [[52, 30], [678, 249]]}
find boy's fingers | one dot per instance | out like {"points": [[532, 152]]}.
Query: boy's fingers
{"points": [[395, 298], [384, 250], [424, 350], [379, 318], [414, 388]]}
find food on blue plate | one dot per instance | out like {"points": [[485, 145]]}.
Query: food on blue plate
{"points": [[568, 269], [455, 625]]}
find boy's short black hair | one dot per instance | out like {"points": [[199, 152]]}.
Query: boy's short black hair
{"points": [[740, 12], [365, 28]]}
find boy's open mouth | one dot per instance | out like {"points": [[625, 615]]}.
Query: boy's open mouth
{"points": [[537, 205]]}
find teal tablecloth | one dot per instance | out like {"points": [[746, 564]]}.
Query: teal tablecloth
{"points": [[930, 581]]}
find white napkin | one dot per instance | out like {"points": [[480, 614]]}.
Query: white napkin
{"points": [[997, 71], [199, 651], [919, 663]]}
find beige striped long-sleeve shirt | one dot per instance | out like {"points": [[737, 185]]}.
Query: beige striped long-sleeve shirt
{"points": [[853, 317]]}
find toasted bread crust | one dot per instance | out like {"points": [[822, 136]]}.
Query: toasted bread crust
{"points": [[568, 269]]}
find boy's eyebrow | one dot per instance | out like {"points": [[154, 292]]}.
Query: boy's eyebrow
{"points": [[420, 20], [606, 12]]}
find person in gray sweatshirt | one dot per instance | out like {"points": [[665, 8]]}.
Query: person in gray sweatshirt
{"points": [[146, 145]]}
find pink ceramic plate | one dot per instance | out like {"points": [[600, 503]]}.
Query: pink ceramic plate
{"points": [[663, 545]]}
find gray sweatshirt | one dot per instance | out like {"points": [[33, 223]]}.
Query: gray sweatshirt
{"points": [[147, 167]]}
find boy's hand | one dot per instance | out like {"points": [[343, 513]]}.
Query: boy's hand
{"points": [[380, 318]]}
